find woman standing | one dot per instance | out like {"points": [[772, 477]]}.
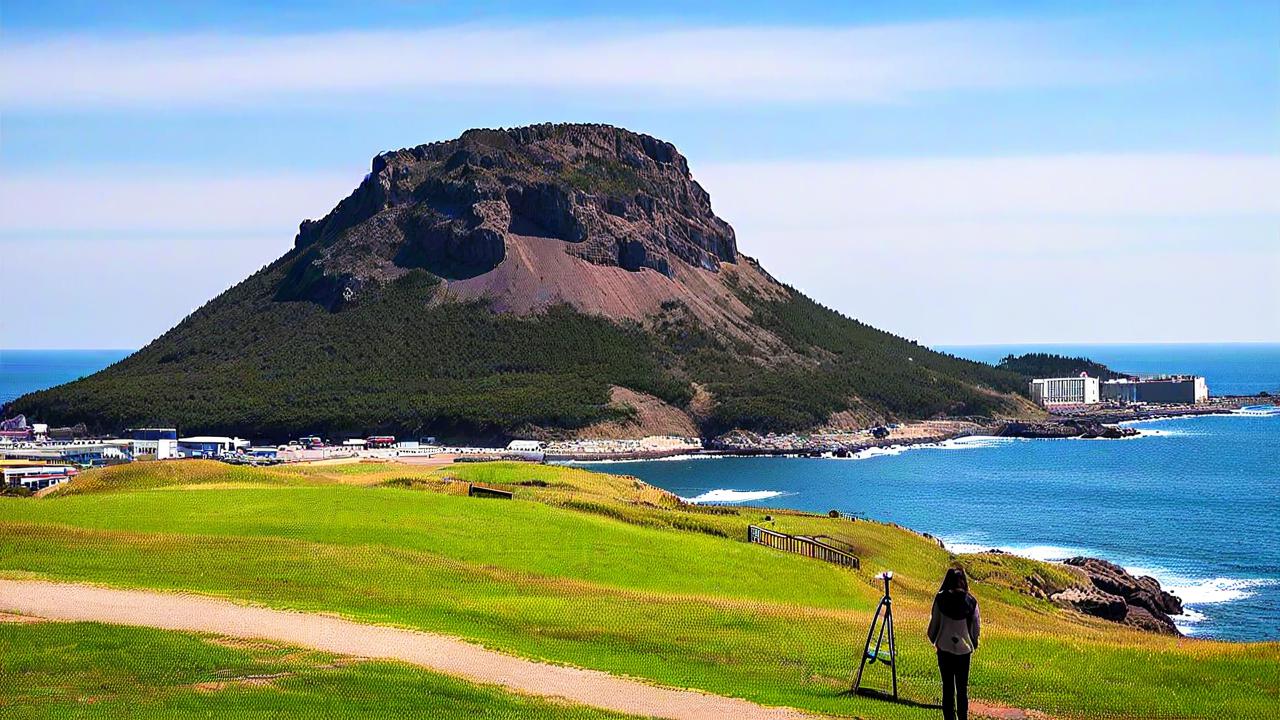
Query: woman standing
{"points": [[953, 629]]}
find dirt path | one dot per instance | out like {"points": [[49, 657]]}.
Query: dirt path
{"points": [[70, 602]]}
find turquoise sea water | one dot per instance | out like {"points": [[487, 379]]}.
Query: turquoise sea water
{"points": [[22, 371]]}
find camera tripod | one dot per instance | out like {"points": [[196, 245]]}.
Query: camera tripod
{"points": [[884, 617]]}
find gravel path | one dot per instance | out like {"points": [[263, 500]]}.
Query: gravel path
{"points": [[71, 602]]}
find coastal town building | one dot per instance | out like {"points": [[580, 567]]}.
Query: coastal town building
{"points": [[160, 443], [1082, 390], [1184, 389], [210, 445], [35, 476], [72, 453]]}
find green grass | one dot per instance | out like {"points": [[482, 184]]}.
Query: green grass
{"points": [[605, 572], [88, 670]]}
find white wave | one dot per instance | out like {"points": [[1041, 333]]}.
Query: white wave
{"points": [[1188, 620], [1165, 418], [971, 442], [1216, 590], [1159, 432], [1046, 553], [879, 452], [732, 496]]}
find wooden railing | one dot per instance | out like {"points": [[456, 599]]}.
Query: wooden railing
{"points": [[487, 492], [802, 545]]}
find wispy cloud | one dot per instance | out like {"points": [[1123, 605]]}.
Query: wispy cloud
{"points": [[1035, 248], [150, 201], [1026, 187], [863, 64], [803, 195]]}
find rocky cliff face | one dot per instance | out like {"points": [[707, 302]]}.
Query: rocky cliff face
{"points": [[613, 197]]}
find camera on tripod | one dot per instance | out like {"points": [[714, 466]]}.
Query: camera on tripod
{"points": [[883, 618]]}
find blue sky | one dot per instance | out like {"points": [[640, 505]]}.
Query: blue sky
{"points": [[985, 172]]}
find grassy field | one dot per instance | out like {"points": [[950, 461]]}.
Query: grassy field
{"points": [[605, 572], [87, 670]]}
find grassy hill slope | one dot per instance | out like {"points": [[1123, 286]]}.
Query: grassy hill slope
{"points": [[609, 573]]}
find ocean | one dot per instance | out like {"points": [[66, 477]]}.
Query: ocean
{"points": [[1191, 501], [22, 371]]}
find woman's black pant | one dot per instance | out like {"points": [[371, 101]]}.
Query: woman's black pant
{"points": [[955, 685]]}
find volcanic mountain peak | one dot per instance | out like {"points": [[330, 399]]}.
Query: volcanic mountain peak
{"points": [[459, 208], [550, 280]]}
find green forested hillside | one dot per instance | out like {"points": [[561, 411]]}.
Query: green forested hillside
{"points": [[1048, 365], [248, 363]]}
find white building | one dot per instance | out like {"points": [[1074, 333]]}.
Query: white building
{"points": [[526, 445], [162, 443], [210, 445], [1082, 390], [1177, 389], [37, 477]]}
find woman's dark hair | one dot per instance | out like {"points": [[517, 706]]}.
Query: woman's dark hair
{"points": [[955, 579]]}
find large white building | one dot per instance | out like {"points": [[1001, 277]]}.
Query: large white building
{"points": [[161, 443], [210, 446], [1180, 389], [1082, 390]]}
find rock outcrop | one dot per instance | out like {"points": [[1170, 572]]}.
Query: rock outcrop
{"points": [[617, 198], [1117, 595], [1052, 429]]}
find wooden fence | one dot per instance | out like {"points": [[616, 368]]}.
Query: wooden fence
{"points": [[802, 545], [488, 492]]}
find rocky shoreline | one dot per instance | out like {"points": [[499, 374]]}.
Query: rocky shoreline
{"points": [[1105, 590], [1102, 423], [1115, 594], [1086, 429]]}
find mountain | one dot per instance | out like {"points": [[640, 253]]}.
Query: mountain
{"points": [[550, 280]]}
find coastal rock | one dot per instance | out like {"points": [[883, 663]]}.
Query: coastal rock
{"points": [[1149, 605], [1087, 429], [1092, 601], [1142, 619]]}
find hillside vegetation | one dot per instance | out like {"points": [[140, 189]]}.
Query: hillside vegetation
{"points": [[249, 364], [609, 573], [1049, 365]]}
